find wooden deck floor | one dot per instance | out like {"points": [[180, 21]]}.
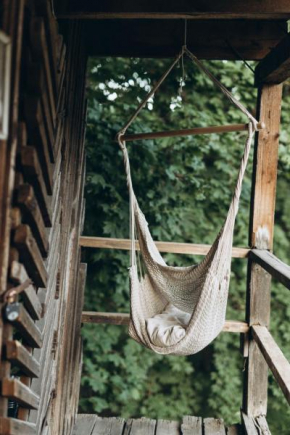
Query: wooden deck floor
{"points": [[88, 424]]}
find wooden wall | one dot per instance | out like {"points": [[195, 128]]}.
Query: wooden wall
{"points": [[42, 167]]}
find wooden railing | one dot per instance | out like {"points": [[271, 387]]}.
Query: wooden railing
{"points": [[271, 352], [168, 247]]}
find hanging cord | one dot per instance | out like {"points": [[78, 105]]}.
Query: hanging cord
{"points": [[235, 51], [224, 90], [182, 80]]}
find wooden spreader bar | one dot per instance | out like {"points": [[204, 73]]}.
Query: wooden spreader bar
{"points": [[123, 319], [168, 247], [189, 132]]}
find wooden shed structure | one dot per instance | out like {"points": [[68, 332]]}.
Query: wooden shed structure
{"points": [[44, 45]]}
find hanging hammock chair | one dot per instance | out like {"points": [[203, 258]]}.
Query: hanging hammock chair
{"points": [[180, 310]]}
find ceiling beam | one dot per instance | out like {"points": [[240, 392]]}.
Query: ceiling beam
{"points": [[209, 39], [182, 9], [275, 67]]}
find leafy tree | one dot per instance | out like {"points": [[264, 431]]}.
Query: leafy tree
{"points": [[184, 186]]}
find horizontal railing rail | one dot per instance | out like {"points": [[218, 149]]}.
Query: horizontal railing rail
{"points": [[124, 318], [168, 247], [272, 265]]}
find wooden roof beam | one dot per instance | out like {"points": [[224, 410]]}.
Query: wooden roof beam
{"points": [[275, 67], [183, 9]]}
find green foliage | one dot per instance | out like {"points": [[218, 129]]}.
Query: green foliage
{"points": [[184, 186]]}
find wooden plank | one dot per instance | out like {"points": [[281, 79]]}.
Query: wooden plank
{"points": [[33, 175], [32, 215], [16, 390], [143, 426], [84, 424], [12, 23], [272, 264], [265, 165], [214, 426], [275, 67], [274, 357], [263, 425], [188, 132], [12, 426], [124, 318], [51, 29], [200, 9], [261, 230], [249, 424], [112, 426], [191, 425], [30, 255], [168, 247], [39, 50], [128, 425], [19, 275], [39, 137], [167, 427], [235, 429], [36, 85], [17, 354], [17, 315], [163, 38]]}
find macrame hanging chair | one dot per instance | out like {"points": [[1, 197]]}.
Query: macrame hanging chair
{"points": [[180, 310]]}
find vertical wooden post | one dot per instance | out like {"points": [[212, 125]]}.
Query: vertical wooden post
{"points": [[261, 237]]}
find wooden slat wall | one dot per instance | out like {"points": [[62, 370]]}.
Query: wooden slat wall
{"points": [[46, 167]]}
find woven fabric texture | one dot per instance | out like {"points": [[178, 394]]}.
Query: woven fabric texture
{"points": [[200, 290]]}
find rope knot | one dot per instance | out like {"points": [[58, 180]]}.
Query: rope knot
{"points": [[121, 142]]}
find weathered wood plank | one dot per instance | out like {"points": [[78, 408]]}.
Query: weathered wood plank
{"points": [[163, 39], [32, 215], [261, 230], [19, 275], [112, 426], [248, 424], [275, 67], [16, 390], [235, 429], [38, 137], [39, 48], [84, 424], [12, 426], [143, 426], [17, 315], [30, 255], [33, 174], [263, 425], [272, 264], [202, 9], [167, 427], [188, 132], [44, 10], [16, 353], [124, 318], [13, 26], [214, 426], [265, 166], [169, 247], [191, 425], [274, 357]]}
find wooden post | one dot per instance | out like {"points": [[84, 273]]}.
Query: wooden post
{"points": [[261, 237]]}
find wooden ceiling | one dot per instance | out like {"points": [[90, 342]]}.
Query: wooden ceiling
{"points": [[216, 29]]}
